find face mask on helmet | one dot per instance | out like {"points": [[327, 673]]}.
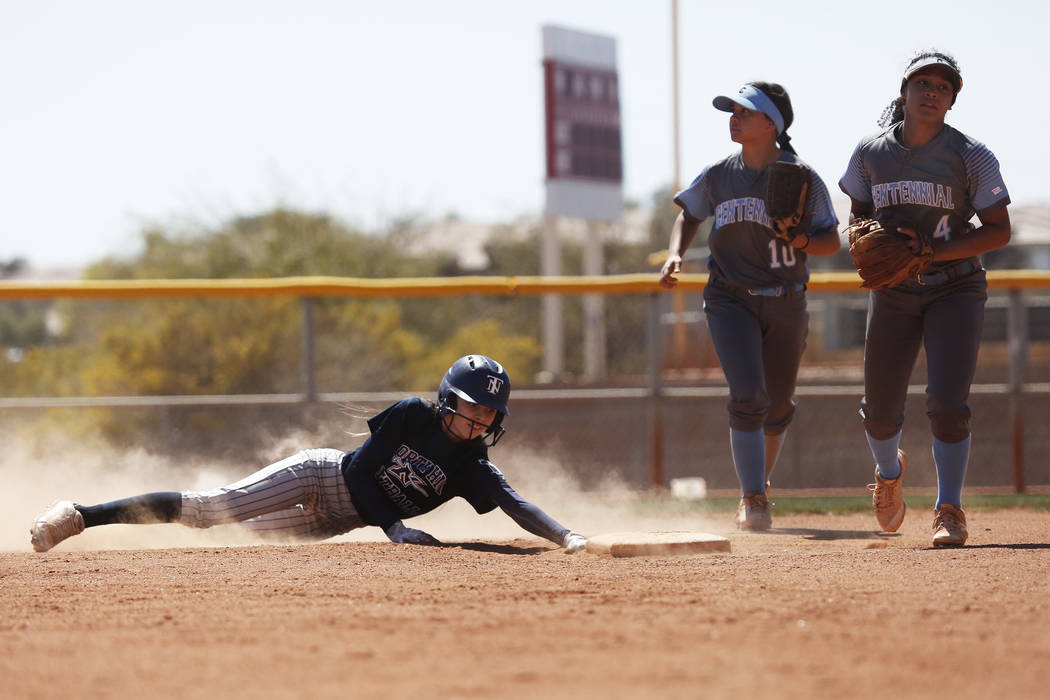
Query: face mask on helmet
{"points": [[479, 380]]}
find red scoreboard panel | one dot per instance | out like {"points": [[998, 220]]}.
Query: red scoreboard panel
{"points": [[582, 122]]}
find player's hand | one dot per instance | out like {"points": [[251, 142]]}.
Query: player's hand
{"points": [[407, 535], [914, 244], [574, 542], [672, 266]]}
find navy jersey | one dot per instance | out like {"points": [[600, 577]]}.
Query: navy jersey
{"points": [[410, 466], [744, 248], [935, 188]]}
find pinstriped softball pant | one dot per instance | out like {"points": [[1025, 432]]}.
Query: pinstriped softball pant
{"points": [[301, 497]]}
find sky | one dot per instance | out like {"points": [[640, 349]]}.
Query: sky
{"points": [[117, 114]]}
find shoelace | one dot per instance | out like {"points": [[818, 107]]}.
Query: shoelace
{"points": [[755, 501], [880, 496], [948, 520]]}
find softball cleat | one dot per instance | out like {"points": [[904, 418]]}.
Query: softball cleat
{"points": [[753, 512], [887, 497], [949, 526], [60, 521]]}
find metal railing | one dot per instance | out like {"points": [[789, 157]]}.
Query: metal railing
{"points": [[307, 289]]}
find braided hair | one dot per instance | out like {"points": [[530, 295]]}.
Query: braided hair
{"points": [[782, 101], [894, 111]]}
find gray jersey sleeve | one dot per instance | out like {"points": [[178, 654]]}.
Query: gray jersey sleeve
{"points": [[856, 182], [819, 203], [695, 200], [987, 188]]}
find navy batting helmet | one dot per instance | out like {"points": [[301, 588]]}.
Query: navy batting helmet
{"points": [[479, 380]]}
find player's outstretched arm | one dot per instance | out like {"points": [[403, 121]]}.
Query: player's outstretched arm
{"points": [[492, 488], [533, 519]]}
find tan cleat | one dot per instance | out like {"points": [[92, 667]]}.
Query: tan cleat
{"points": [[949, 526], [888, 498], [59, 521], [753, 512]]}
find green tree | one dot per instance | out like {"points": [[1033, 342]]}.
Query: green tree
{"points": [[517, 353], [254, 345], [23, 323]]}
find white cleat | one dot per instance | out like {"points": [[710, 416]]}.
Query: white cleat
{"points": [[59, 521]]}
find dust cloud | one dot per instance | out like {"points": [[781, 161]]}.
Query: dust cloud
{"points": [[91, 474]]}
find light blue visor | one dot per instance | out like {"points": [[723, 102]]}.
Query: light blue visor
{"points": [[754, 99]]}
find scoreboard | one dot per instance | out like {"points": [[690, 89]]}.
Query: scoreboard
{"points": [[584, 155], [583, 122]]}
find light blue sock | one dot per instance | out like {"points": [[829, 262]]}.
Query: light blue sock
{"points": [[749, 458], [885, 454], [951, 459]]}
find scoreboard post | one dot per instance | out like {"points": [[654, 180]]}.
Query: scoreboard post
{"points": [[584, 174]]}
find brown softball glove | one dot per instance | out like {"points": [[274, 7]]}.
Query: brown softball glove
{"points": [[887, 257]]}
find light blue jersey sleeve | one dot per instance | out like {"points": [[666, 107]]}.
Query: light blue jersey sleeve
{"points": [[819, 203], [695, 200], [857, 182]]}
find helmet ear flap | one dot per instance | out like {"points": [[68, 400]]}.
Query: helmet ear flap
{"points": [[447, 404]]}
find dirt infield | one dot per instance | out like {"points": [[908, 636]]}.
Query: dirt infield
{"points": [[820, 607]]}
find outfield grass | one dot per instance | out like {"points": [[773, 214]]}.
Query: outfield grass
{"points": [[786, 505]]}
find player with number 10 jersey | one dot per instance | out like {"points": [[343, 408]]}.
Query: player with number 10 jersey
{"points": [[754, 301]]}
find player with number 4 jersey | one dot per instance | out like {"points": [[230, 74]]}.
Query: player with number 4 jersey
{"points": [[755, 300], [926, 180]]}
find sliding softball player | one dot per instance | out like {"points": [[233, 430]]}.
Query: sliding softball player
{"points": [[419, 455]]}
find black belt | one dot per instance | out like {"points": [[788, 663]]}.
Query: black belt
{"points": [[960, 269], [784, 291]]}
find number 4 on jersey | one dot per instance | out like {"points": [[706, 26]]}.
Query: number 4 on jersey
{"points": [[944, 228]]}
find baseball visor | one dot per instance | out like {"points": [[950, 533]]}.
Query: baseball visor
{"points": [[935, 62], [750, 97]]}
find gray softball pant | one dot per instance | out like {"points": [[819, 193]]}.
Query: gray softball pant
{"points": [[301, 497], [946, 318], [759, 341]]}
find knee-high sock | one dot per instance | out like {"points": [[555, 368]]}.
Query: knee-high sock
{"points": [[749, 458], [773, 445], [951, 459], [158, 507], [885, 454]]}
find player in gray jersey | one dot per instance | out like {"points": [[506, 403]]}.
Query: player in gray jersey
{"points": [[755, 299], [919, 174]]}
